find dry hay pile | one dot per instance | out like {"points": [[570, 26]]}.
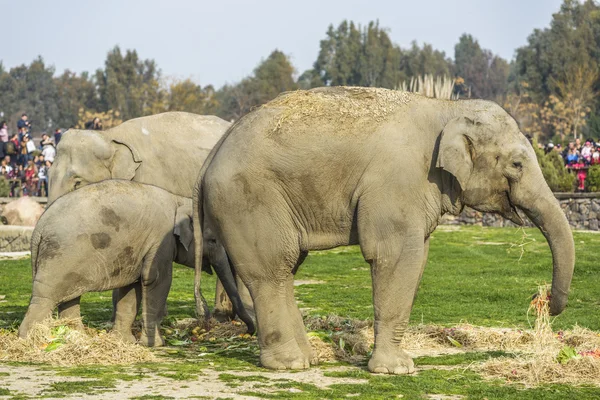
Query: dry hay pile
{"points": [[570, 357], [539, 354], [58, 342], [343, 106]]}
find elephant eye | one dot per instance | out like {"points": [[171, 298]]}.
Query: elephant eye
{"points": [[518, 164], [77, 184]]}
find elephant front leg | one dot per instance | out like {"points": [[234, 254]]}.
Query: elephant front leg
{"points": [[396, 259], [127, 302]]}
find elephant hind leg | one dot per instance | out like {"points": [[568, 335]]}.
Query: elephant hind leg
{"points": [[126, 304], [71, 310], [264, 261], [156, 279]]}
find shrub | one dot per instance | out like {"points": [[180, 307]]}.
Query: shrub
{"points": [[553, 168], [4, 187], [592, 181]]}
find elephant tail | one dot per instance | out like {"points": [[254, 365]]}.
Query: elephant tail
{"points": [[36, 243], [202, 311]]}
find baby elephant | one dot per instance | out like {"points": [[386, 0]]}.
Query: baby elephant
{"points": [[118, 234]]}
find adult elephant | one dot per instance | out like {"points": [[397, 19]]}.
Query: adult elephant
{"points": [[338, 166], [165, 150]]}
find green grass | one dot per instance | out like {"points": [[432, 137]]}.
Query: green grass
{"points": [[473, 275]]}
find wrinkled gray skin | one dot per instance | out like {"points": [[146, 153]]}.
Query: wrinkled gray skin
{"points": [[118, 234], [383, 183], [166, 150]]}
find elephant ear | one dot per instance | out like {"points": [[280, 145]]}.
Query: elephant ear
{"points": [[454, 155], [125, 161], [183, 225]]}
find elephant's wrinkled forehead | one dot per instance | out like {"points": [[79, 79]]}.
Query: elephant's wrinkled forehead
{"points": [[80, 143]]}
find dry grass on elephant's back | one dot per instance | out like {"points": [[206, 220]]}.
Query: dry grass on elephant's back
{"points": [[350, 107]]}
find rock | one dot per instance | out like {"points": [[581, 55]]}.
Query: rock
{"points": [[593, 224], [15, 238], [23, 212]]}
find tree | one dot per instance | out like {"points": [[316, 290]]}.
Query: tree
{"points": [[129, 85], [485, 75], [419, 61], [30, 89], [188, 96], [271, 77], [572, 39], [566, 111], [353, 56], [74, 92]]}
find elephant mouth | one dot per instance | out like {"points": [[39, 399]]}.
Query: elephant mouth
{"points": [[509, 211]]}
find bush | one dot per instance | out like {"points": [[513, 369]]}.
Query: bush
{"points": [[553, 168], [4, 187], [592, 181]]}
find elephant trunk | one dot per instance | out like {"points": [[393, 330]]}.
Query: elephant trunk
{"points": [[224, 271], [535, 198]]}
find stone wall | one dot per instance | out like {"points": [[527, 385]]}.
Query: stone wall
{"points": [[15, 238], [582, 211]]}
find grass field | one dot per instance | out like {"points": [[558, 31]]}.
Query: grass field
{"points": [[481, 276]]}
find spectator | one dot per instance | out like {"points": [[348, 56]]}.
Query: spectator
{"points": [[31, 179], [27, 149], [44, 140], [6, 169], [57, 136], [95, 124], [48, 150], [4, 132], [12, 149], [23, 123], [586, 152], [22, 133], [42, 188], [596, 155], [18, 175], [578, 144], [39, 161], [558, 148], [572, 156]]}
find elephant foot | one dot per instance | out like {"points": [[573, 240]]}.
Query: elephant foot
{"points": [[153, 341], [285, 356], [126, 335], [395, 362], [222, 316]]}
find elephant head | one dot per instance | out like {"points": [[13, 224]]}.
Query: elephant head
{"points": [[497, 170], [85, 157]]}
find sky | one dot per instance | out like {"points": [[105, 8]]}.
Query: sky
{"points": [[222, 41]]}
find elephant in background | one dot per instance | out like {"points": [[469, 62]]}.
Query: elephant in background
{"points": [[372, 167], [166, 150], [121, 235]]}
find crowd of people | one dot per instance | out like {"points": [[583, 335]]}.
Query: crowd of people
{"points": [[578, 157], [23, 163]]}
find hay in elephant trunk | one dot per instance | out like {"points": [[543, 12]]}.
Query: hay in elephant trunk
{"points": [[61, 343]]}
